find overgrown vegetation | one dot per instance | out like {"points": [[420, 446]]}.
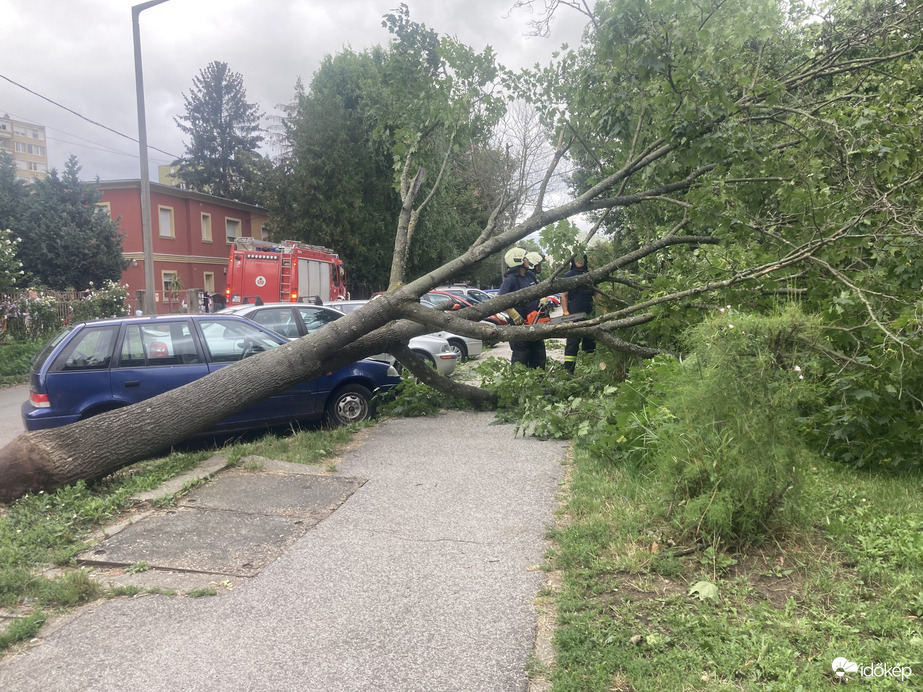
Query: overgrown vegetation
{"points": [[637, 611], [108, 300], [15, 357]]}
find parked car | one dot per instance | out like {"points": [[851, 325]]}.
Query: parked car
{"points": [[440, 298], [93, 367], [469, 293], [465, 346], [293, 320]]}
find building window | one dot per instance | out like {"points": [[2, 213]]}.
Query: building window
{"points": [[36, 134], [208, 278], [19, 131], [232, 227], [20, 147], [165, 215], [207, 228], [36, 150], [33, 166], [105, 207], [169, 280]]}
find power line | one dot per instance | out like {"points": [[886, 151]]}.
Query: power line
{"points": [[93, 122]]}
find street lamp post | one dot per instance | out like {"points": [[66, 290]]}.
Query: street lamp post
{"points": [[147, 240]]}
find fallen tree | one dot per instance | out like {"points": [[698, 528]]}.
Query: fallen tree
{"points": [[679, 159]]}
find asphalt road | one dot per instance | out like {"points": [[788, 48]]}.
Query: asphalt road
{"points": [[11, 399]]}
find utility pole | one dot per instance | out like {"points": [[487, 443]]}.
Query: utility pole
{"points": [[147, 239]]}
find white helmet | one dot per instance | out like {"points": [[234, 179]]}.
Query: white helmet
{"points": [[514, 257], [535, 258]]}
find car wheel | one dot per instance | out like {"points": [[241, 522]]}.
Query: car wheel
{"points": [[460, 348], [350, 403], [428, 357]]}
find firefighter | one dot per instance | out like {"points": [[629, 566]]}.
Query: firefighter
{"points": [[530, 353], [577, 300], [535, 264]]}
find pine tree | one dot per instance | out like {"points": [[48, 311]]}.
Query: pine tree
{"points": [[221, 156]]}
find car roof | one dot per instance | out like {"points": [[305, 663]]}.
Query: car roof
{"points": [[146, 319], [453, 296], [238, 309]]}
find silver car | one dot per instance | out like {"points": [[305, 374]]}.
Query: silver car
{"points": [[465, 346], [293, 320]]}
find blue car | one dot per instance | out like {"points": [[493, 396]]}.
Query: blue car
{"points": [[93, 367]]}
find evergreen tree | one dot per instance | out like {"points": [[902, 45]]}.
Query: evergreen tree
{"points": [[221, 157], [13, 192], [68, 240]]}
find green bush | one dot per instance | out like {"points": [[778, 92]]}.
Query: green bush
{"points": [[31, 316], [723, 430], [551, 403], [15, 357], [109, 301]]}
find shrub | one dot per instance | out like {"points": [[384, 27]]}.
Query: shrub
{"points": [[31, 316], [109, 301], [722, 431], [551, 403], [16, 356]]}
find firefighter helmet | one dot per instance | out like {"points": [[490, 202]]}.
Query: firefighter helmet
{"points": [[514, 257], [535, 258]]}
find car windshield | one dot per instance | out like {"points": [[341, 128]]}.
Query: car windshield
{"points": [[346, 308], [478, 296], [315, 318], [229, 340]]}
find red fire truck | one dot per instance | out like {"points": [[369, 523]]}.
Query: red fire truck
{"points": [[287, 271]]}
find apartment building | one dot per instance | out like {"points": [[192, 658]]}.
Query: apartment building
{"points": [[26, 143]]}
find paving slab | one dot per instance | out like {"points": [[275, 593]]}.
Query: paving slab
{"points": [[235, 525], [280, 494]]}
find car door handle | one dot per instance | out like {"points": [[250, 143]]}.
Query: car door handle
{"points": [[133, 383]]}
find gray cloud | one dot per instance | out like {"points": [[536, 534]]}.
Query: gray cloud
{"points": [[79, 53]]}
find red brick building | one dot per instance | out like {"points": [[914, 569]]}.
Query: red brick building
{"points": [[192, 235]]}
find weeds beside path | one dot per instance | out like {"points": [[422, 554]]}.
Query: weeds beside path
{"points": [[637, 613]]}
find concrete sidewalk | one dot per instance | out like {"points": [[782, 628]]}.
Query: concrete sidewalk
{"points": [[414, 567]]}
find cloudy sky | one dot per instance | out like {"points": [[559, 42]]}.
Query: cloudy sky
{"points": [[70, 58]]}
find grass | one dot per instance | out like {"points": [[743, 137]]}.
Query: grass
{"points": [[637, 612], [14, 360], [300, 447]]}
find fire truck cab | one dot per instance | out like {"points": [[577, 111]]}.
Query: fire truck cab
{"points": [[287, 271]]}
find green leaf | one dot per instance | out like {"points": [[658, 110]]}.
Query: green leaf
{"points": [[704, 589]]}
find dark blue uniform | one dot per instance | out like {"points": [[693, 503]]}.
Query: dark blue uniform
{"points": [[531, 353], [578, 300]]}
